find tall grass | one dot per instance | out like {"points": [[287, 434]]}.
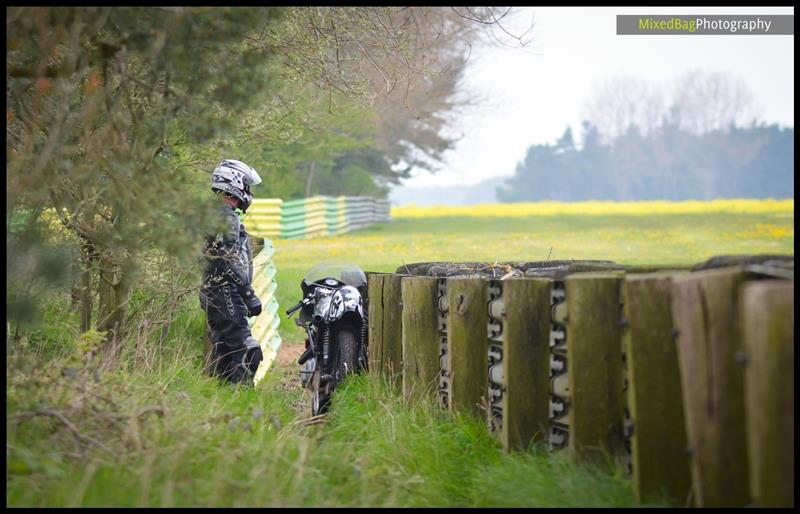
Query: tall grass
{"points": [[427, 457], [215, 445]]}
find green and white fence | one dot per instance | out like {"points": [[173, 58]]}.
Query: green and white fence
{"points": [[686, 375], [265, 325], [314, 217]]}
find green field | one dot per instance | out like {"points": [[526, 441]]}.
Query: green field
{"points": [[158, 433], [626, 239]]}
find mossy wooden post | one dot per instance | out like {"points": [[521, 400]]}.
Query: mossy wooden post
{"points": [[385, 326], [467, 355], [706, 317], [767, 313], [526, 359], [420, 335], [655, 400], [594, 364]]}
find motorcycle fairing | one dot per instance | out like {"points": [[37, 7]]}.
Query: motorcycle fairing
{"points": [[343, 300]]}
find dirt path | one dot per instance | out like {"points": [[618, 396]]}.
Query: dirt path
{"points": [[286, 365], [288, 354]]}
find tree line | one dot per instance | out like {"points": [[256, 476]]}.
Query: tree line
{"points": [[703, 144], [672, 164]]}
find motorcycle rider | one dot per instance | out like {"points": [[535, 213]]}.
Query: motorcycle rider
{"points": [[227, 295]]}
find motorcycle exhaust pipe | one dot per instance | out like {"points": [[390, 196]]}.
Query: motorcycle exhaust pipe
{"points": [[306, 355], [309, 351]]}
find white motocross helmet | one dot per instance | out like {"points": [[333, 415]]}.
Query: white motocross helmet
{"points": [[235, 178]]}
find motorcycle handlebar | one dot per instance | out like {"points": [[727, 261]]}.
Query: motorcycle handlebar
{"points": [[295, 308]]}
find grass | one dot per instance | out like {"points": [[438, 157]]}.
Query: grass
{"points": [[219, 446], [154, 431], [684, 234], [427, 458]]}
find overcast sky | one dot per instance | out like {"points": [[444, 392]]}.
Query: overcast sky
{"points": [[536, 92]]}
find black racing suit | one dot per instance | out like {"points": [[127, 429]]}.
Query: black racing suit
{"points": [[228, 298]]}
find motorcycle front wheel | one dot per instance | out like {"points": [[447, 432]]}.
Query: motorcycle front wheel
{"points": [[319, 403], [344, 363], [346, 356]]}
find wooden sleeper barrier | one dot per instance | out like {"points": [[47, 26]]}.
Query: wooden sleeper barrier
{"points": [[685, 375]]}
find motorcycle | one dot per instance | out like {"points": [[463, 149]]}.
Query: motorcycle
{"points": [[333, 316]]}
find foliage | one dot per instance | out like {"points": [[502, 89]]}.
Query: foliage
{"points": [[369, 84], [95, 98], [283, 137], [115, 117], [37, 260], [405, 62]]}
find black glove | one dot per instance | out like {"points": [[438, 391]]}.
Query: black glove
{"points": [[251, 301]]}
